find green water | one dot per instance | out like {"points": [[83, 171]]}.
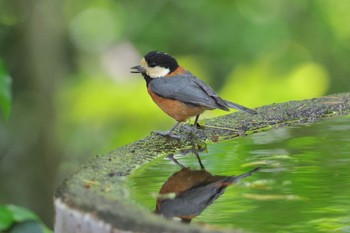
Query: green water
{"points": [[304, 184]]}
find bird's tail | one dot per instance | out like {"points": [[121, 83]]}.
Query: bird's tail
{"points": [[240, 107], [235, 179]]}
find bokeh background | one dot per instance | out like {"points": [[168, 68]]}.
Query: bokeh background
{"points": [[73, 96]]}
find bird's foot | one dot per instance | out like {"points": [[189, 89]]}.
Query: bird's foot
{"points": [[194, 130], [167, 134], [198, 126], [189, 129]]}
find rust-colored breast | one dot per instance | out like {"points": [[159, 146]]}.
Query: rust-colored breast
{"points": [[174, 108]]}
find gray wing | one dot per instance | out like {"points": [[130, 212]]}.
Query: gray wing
{"points": [[189, 89], [191, 202]]}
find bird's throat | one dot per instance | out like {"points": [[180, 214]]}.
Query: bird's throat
{"points": [[147, 78]]}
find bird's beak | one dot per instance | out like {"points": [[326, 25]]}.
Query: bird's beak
{"points": [[138, 69]]}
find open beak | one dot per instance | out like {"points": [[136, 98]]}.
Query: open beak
{"points": [[138, 69]]}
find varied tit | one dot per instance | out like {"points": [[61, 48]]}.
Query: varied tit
{"points": [[178, 92], [188, 192]]}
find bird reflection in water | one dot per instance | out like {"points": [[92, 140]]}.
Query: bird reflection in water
{"points": [[188, 192]]}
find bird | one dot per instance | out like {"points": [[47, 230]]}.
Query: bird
{"points": [[188, 192], [178, 92]]}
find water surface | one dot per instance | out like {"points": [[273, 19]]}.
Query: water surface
{"points": [[304, 184]]}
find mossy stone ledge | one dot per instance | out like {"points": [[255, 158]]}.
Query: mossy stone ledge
{"points": [[95, 198]]}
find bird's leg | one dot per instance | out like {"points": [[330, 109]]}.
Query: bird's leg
{"points": [[171, 157], [169, 132], [196, 125], [195, 128], [195, 152]]}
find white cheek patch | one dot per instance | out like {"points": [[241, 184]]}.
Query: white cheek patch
{"points": [[157, 72], [143, 63]]}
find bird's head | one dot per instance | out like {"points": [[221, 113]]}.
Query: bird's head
{"points": [[156, 65]]}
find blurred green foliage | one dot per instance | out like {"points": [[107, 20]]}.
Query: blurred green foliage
{"points": [[251, 52], [5, 91], [15, 219]]}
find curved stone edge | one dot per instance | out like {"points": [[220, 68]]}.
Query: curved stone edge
{"points": [[95, 198]]}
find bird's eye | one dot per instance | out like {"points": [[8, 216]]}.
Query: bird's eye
{"points": [[152, 64]]}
